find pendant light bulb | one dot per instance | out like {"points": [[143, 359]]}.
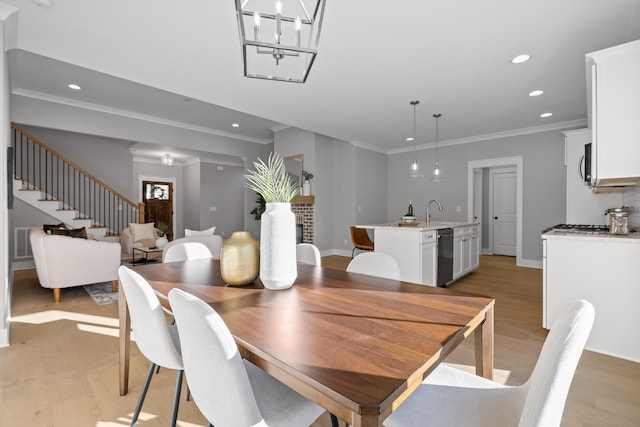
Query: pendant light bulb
{"points": [[414, 169]]}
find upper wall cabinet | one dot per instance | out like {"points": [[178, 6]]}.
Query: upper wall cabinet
{"points": [[613, 90]]}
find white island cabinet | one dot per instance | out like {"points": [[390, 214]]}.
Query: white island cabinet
{"points": [[466, 250], [604, 270], [415, 248]]}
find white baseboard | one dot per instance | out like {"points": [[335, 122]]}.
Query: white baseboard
{"points": [[530, 263], [22, 265], [339, 252]]}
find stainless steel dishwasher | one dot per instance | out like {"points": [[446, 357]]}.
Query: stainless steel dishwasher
{"points": [[445, 256]]}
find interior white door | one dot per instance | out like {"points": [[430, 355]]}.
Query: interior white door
{"points": [[504, 213]]}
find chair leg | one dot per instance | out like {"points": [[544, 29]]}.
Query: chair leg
{"points": [[334, 421], [176, 398], [352, 251], [143, 394]]}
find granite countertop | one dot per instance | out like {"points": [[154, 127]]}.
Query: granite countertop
{"points": [[601, 237], [420, 225]]}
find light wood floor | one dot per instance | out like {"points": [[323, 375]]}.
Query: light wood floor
{"points": [[62, 367]]}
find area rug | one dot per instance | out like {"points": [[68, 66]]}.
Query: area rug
{"points": [[101, 293]]}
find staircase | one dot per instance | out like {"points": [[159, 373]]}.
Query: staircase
{"points": [[59, 188]]}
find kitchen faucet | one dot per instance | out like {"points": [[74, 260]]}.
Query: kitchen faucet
{"points": [[429, 204]]}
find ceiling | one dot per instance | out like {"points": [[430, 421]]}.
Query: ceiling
{"points": [[162, 60]]}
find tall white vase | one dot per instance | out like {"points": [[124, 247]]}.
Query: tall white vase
{"points": [[278, 268]]}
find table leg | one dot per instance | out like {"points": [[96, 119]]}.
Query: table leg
{"points": [[484, 346], [124, 341]]}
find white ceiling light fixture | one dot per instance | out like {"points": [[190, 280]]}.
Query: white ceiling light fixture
{"points": [[167, 160], [437, 175], [74, 86], [536, 92], [279, 38], [414, 169], [521, 59], [545, 115]]}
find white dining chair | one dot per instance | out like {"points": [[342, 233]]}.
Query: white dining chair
{"points": [[375, 264], [186, 251], [306, 253], [157, 341], [451, 397], [229, 391]]}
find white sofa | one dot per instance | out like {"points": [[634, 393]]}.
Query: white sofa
{"points": [[63, 262], [212, 241]]}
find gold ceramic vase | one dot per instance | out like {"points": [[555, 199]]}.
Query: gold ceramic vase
{"points": [[240, 259]]}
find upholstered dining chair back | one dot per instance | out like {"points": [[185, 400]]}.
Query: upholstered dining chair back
{"points": [[375, 264], [306, 253], [227, 390], [480, 402], [360, 239], [157, 341], [186, 251], [551, 378]]}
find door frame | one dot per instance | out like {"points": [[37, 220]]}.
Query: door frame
{"points": [[142, 178], [492, 172], [515, 161]]}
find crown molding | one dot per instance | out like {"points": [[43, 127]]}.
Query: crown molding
{"points": [[131, 115], [155, 161], [497, 135], [370, 147]]}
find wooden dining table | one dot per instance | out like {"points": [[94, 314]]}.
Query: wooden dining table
{"points": [[356, 345]]}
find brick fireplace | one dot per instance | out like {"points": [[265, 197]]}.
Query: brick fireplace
{"points": [[303, 207]]}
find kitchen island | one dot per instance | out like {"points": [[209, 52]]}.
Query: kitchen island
{"points": [[603, 269], [415, 248]]}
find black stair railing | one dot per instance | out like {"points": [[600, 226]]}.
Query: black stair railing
{"points": [[58, 178]]}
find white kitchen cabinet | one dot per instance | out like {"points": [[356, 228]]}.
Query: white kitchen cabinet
{"points": [[613, 88], [457, 255], [466, 252], [474, 248], [604, 271], [429, 257]]}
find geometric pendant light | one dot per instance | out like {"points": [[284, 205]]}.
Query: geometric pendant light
{"points": [[279, 38]]}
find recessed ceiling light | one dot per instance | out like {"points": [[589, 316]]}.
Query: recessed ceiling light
{"points": [[536, 92], [545, 115], [74, 86], [235, 125], [521, 58], [409, 138]]}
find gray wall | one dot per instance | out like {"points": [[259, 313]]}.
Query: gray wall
{"points": [[191, 191], [101, 157], [222, 188], [544, 186]]}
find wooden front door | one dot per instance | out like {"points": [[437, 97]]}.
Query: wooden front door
{"points": [[158, 203]]}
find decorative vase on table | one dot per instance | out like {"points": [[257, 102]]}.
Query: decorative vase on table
{"points": [[161, 241], [278, 268], [306, 188], [239, 259]]}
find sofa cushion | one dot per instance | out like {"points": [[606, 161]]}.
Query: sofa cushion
{"points": [[192, 233], [48, 227], [80, 233], [142, 231]]}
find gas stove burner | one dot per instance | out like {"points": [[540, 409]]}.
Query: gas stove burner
{"points": [[580, 228]]}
